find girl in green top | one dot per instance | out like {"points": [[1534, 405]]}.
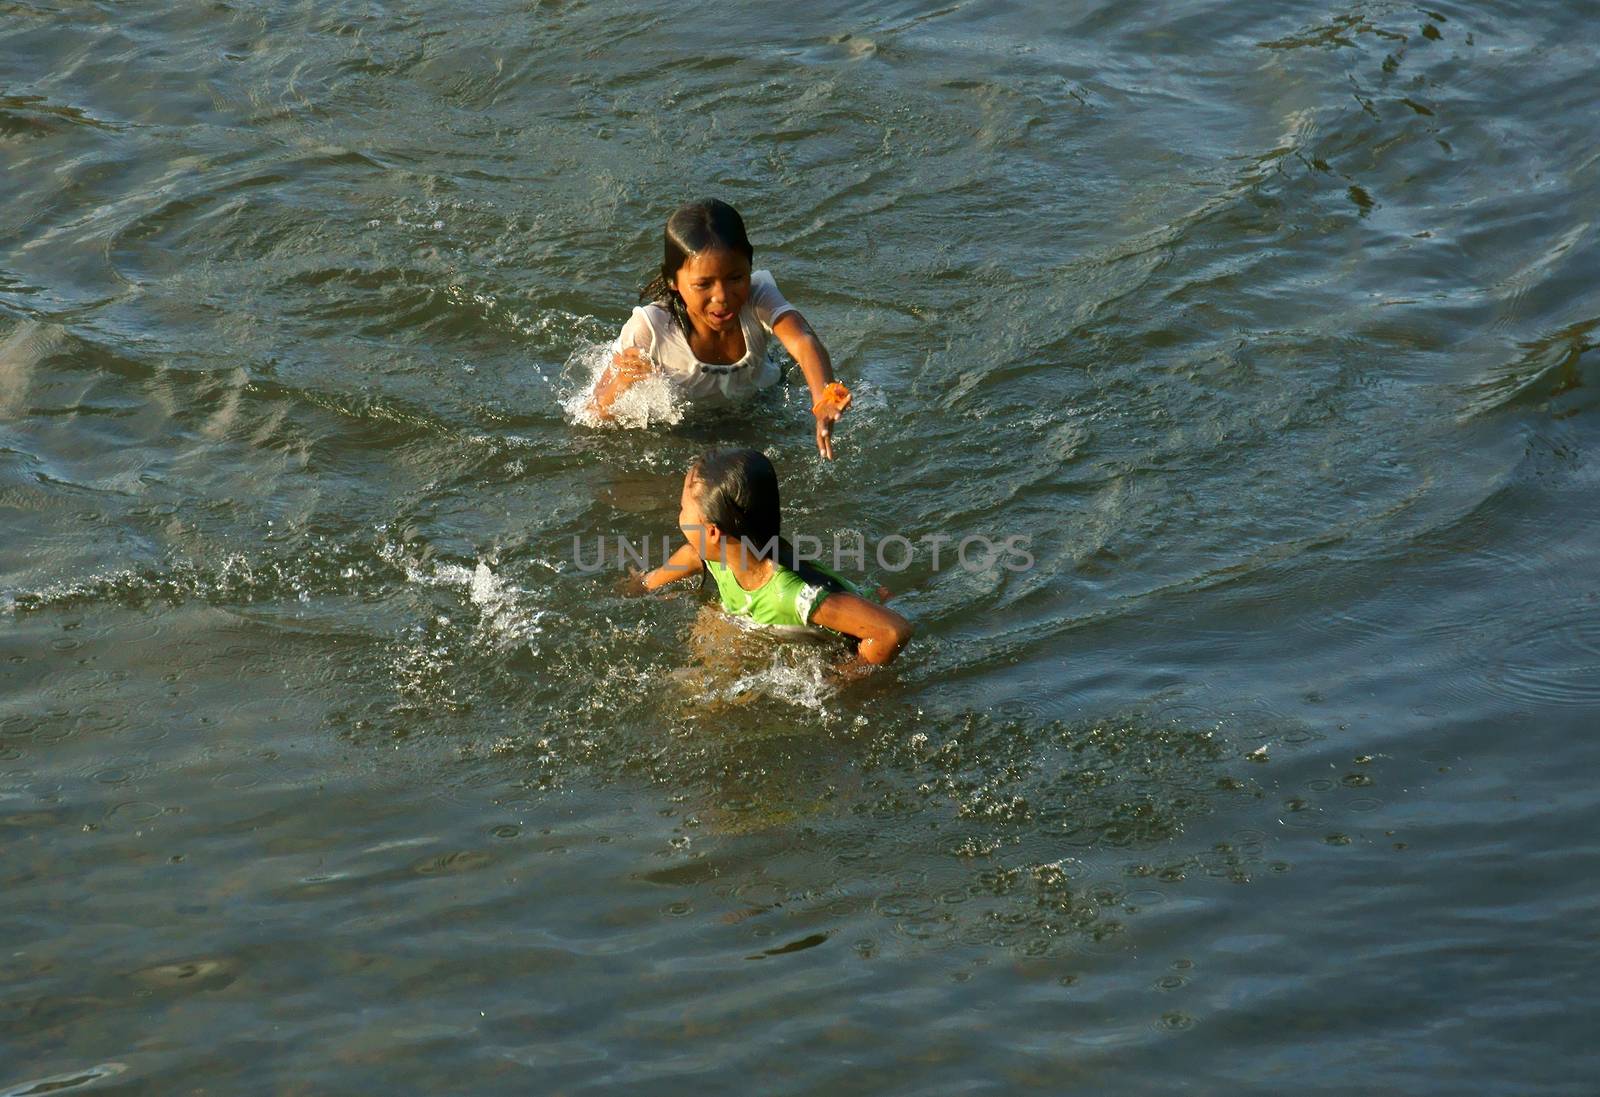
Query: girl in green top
{"points": [[729, 516]]}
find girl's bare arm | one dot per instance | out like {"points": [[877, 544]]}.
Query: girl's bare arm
{"points": [[685, 561], [807, 350], [880, 632]]}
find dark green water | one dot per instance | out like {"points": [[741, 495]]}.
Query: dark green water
{"points": [[323, 769]]}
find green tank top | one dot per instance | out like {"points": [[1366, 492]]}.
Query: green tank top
{"points": [[785, 600]]}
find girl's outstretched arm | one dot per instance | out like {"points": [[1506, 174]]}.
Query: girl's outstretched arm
{"points": [[681, 564], [807, 350], [881, 632]]}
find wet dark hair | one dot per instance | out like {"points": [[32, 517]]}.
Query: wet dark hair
{"points": [[738, 491], [696, 226]]}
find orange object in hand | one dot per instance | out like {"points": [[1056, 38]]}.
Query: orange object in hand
{"points": [[833, 397]]}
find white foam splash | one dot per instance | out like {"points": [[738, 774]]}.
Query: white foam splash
{"points": [[799, 681], [501, 611], [503, 615], [653, 400]]}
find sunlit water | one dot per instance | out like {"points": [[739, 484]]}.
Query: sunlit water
{"points": [[325, 767]]}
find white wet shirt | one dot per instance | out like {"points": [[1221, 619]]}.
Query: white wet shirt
{"points": [[652, 329]]}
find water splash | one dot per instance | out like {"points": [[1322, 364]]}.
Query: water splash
{"points": [[321, 568], [652, 401], [795, 677]]}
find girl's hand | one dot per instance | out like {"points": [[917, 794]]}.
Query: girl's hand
{"points": [[626, 370], [826, 418], [829, 406], [631, 365], [825, 435]]}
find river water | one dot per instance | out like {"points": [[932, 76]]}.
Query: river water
{"points": [[1270, 328]]}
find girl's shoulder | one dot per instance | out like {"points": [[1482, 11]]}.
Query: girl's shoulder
{"points": [[652, 316], [765, 297], [784, 600], [800, 594]]}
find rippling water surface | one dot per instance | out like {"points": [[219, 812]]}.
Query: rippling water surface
{"points": [[324, 768]]}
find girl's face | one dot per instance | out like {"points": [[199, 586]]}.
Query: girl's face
{"points": [[714, 284], [692, 520]]}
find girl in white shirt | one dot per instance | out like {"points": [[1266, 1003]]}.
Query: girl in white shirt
{"points": [[708, 320]]}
